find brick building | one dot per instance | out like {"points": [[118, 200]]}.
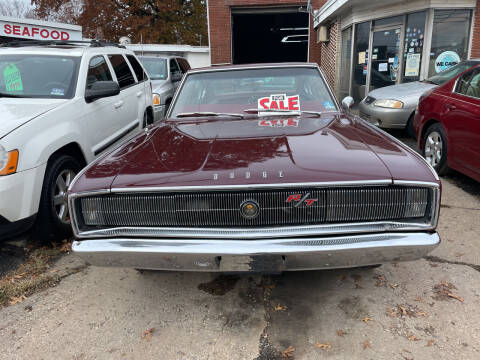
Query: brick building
{"points": [[359, 44]]}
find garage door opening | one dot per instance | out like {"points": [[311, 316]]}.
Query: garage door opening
{"points": [[269, 37]]}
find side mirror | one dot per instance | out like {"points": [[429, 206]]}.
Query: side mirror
{"points": [[176, 77], [348, 102], [101, 89]]}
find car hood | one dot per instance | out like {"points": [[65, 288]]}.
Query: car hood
{"points": [[159, 85], [15, 112], [402, 92], [239, 152]]}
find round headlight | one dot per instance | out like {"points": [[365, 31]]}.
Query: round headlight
{"points": [[391, 104], [3, 157]]}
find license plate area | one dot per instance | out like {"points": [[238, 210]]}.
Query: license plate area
{"points": [[252, 263]]}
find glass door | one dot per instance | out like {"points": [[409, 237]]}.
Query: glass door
{"points": [[385, 57]]}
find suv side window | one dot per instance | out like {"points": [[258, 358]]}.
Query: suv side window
{"points": [[174, 67], [137, 68], [97, 71], [124, 75], [184, 65]]}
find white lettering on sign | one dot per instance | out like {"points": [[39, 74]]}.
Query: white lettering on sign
{"points": [[26, 31], [279, 123], [281, 102]]}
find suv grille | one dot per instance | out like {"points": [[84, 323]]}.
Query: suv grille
{"points": [[222, 209]]}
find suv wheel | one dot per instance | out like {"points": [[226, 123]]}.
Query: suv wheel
{"points": [[53, 219], [435, 148]]}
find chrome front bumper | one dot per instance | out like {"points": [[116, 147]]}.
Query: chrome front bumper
{"points": [[266, 255]]}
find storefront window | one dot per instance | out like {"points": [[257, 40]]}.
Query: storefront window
{"points": [[360, 60], [413, 46], [345, 62], [450, 39]]}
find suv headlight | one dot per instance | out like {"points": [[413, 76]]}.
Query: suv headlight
{"points": [[391, 104], [8, 161], [156, 99]]}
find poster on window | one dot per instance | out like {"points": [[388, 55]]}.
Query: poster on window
{"points": [[412, 65]]}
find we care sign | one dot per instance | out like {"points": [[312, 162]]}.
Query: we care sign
{"points": [[281, 102]]}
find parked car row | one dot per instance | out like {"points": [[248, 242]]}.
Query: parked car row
{"points": [[62, 105], [393, 107]]}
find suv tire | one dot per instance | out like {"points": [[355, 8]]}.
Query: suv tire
{"points": [[435, 148], [53, 219]]}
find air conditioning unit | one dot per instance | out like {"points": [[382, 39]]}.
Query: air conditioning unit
{"points": [[323, 34]]}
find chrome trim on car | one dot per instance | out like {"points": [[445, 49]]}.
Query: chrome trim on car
{"points": [[251, 186], [254, 233], [271, 255]]}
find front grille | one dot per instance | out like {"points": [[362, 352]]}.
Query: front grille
{"points": [[222, 209]]}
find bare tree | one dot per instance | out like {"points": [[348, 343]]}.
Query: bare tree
{"points": [[16, 8]]}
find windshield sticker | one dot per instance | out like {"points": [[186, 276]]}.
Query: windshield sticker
{"points": [[12, 78], [57, 92], [328, 105], [279, 123], [281, 102]]}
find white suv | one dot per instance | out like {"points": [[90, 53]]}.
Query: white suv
{"points": [[61, 106]]}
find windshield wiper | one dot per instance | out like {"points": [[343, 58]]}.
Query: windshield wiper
{"points": [[206, 113], [287, 112]]}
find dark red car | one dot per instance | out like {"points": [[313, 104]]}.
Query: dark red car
{"points": [[447, 124], [256, 168]]}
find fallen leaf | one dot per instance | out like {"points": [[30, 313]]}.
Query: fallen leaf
{"points": [[324, 346], [280, 308], [430, 342], [288, 352], [269, 286], [421, 313], [413, 338], [341, 277], [419, 299], [404, 311], [340, 332], [15, 300], [147, 334], [366, 319], [66, 247], [392, 312], [366, 344], [393, 286], [459, 298]]}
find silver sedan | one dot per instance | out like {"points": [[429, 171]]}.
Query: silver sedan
{"points": [[393, 107]]}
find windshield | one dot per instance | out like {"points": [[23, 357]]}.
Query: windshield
{"points": [[235, 91], [450, 73], [38, 76], [156, 68]]}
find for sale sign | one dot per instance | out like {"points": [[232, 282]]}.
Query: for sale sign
{"points": [[281, 102]]}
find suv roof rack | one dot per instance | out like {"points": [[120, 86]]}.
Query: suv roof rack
{"points": [[91, 43]]}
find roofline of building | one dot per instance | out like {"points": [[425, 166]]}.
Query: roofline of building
{"points": [[168, 47], [41, 23], [327, 10]]}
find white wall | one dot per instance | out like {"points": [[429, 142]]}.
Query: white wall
{"points": [[197, 60]]}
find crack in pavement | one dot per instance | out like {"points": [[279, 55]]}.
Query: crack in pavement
{"points": [[266, 351], [445, 261]]}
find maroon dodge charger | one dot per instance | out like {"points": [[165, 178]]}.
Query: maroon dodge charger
{"points": [[256, 168]]}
